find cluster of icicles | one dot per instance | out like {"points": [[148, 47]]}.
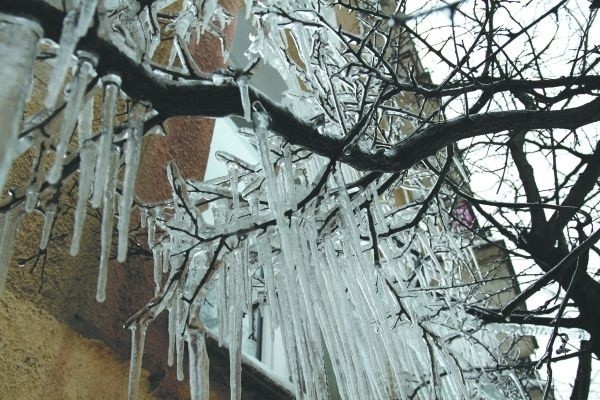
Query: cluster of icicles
{"points": [[317, 283], [310, 268]]}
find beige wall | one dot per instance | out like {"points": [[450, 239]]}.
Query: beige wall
{"points": [[43, 358]]}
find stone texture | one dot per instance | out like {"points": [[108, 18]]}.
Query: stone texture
{"points": [[40, 357]]}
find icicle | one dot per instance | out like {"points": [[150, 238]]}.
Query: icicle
{"points": [[235, 195], [261, 122], [86, 170], [87, 155], [264, 253], [74, 104], [198, 362], [158, 267], [111, 91], [224, 50], [172, 328], [166, 253], [242, 83], [9, 224], [138, 339], [85, 121], [31, 196], [247, 273], [37, 177], [179, 340], [288, 176], [75, 26], [248, 5], [222, 307], [108, 211], [132, 160], [49, 216], [235, 289], [68, 41], [18, 46], [86, 14], [143, 216]]}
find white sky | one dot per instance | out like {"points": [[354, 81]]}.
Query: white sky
{"points": [[564, 371]]}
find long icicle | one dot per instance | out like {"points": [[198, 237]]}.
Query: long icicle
{"points": [[198, 362], [235, 294], [49, 216], [78, 86], [19, 38], [108, 212], [9, 226], [75, 25], [111, 91], [132, 160], [87, 155], [138, 339]]}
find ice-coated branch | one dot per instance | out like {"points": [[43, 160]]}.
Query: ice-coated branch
{"points": [[202, 99]]}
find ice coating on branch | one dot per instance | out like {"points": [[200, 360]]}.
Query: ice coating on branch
{"points": [[133, 145], [111, 84], [229, 159]]}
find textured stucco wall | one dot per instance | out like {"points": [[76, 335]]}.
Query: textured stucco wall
{"points": [[43, 358]]}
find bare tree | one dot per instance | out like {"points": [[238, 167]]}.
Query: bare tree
{"points": [[379, 162]]}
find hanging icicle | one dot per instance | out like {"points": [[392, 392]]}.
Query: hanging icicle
{"points": [[18, 45], [75, 25], [135, 130], [9, 224], [111, 84], [75, 103], [49, 217], [138, 340], [198, 362], [108, 212]]}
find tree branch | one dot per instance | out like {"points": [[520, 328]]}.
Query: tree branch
{"points": [[490, 316], [551, 274], [202, 98]]}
